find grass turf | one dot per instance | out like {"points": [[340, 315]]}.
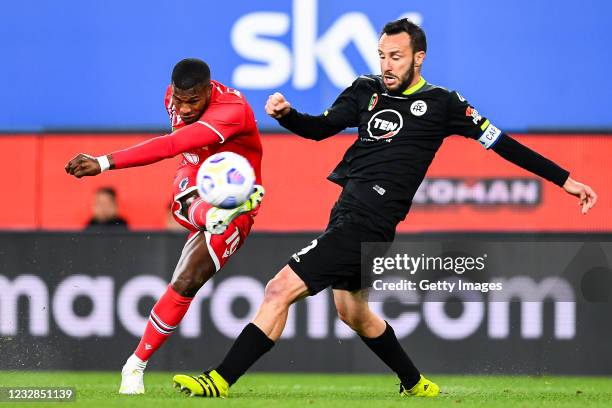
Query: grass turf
{"points": [[99, 389]]}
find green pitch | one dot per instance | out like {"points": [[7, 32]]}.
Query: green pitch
{"points": [[99, 389]]}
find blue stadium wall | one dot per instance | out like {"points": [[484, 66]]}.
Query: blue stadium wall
{"points": [[104, 65]]}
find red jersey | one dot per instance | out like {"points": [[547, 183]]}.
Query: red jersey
{"points": [[230, 117], [227, 124]]}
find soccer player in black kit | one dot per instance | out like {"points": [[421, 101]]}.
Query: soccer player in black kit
{"points": [[402, 120]]}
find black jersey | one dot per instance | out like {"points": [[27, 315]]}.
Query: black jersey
{"points": [[398, 137]]}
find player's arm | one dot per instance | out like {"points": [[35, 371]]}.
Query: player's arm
{"points": [[344, 113], [210, 129], [466, 121]]}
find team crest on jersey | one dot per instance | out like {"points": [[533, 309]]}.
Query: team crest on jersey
{"points": [[373, 101], [191, 158], [385, 124], [418, 108], [183, 184]]}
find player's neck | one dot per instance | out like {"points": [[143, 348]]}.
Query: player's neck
{"points": [[417, 83]]}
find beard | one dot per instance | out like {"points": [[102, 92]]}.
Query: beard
{"points": [[405, 83]]}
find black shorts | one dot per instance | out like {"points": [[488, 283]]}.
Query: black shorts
{"points": [[334, 258]]}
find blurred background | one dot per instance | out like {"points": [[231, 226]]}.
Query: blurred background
{"points": [[82, 261]]}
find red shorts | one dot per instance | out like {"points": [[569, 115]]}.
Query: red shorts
{"points": [[220, 246]]}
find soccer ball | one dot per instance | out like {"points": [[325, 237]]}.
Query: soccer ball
{"points": [[225, 180]]}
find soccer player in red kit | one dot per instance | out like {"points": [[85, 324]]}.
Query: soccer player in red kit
{"points": [[207, 117]]}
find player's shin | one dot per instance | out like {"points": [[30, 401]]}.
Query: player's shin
{"points": [[388, 349], [165, 316], [197, 213], [163, 320], [251, 344]]}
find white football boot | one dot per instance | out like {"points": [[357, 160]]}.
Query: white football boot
{"points": [[218, 219], [132, 375]]}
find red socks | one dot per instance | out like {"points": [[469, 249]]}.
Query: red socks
{"points": [[165, 317], [197, 213]]}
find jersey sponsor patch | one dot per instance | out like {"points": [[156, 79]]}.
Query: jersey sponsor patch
{"points": [[473, 113], [183, 184], [385, 124], [418, 108], [379, 189], [191, 158], [489, 136]]}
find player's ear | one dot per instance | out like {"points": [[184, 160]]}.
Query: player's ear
{"points": [[419, 57]]}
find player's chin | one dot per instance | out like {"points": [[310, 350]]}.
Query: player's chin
{"points": [[392, 86]]}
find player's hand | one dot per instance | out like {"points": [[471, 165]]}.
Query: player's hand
{"points": [[277, 106], [83, 165], [586, 195]]}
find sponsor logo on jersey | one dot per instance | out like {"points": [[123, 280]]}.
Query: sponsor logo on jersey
{"points": [[489, 136], [373, 101], [183, 184], [460, 97], [191, 158], [418, 108], [473, 113], [379, 189], [385, 124]]}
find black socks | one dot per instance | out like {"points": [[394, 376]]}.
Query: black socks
{"points": [[252, 343], [249, 346], [388, 349]]}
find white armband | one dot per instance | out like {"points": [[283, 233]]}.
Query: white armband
{"points": [[104, 163], [489, 136]]}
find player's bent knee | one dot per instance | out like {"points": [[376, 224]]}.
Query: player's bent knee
{"points": [[284, 288], [275, 292]]}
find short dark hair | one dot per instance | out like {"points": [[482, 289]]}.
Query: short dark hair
{"points": [[189, 73], [108, 190], [418, 41]]}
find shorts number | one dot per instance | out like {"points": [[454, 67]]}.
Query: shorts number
{"points": [[304, 250], [232, 241]]}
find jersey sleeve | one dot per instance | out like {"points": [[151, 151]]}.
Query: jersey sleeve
{"points": [[465, 120], [343, 113], [183, 140], [224, 119]]}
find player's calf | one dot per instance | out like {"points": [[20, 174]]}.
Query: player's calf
{"points": [[194, 268]]}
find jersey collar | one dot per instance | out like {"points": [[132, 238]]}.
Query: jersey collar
{"points": [[415, 87]]}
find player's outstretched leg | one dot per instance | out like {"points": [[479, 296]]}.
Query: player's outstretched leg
{"points": [[194, 268], [256, 339], [379, 336], [216, 220]]}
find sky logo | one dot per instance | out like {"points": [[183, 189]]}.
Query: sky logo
{"points": [[272, 63]]}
